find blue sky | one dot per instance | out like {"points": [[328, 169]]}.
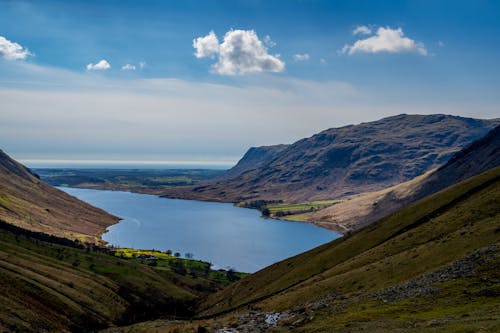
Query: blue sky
{"points": [[311, 72]]}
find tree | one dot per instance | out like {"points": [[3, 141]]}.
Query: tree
{"points": [[189, 255], [177, 254]]}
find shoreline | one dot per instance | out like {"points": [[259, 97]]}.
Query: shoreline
{"points": [[338, 229]]}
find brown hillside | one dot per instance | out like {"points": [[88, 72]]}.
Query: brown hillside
{"points": [[29, 203]]}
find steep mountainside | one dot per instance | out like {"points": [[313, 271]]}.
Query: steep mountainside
{"points": [[343, 161], [430, 267], [479, 156], [29, 203], [254, 158]]}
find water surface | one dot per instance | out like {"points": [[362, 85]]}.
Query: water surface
{"points": [[220, 233]]}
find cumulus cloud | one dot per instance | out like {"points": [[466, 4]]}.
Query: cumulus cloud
{"points": [[386, 40], [240, 52], [12, 51], [142, 64], [207, 46], [362, 30], [301, 57], [100, 66]]}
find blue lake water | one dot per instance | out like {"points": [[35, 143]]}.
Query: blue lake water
{"points": [[220, 233]]}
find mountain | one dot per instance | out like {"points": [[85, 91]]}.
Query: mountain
{"points": [[254, 158], [29, 203], [481, 155], [429, 267], [343, 161]]}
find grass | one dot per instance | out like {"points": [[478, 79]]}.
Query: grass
{"points": [[48, 286], [190, 267], [345, 276], [417, 239], [296, 212]]}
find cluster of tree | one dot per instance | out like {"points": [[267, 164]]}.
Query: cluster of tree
{"points": [[259, 204]]}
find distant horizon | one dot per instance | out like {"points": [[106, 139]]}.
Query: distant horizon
{"points": [[205, 80], [123, 164], [150, 161]]}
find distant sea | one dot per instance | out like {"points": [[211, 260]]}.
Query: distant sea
{"points": [[97, 164]]}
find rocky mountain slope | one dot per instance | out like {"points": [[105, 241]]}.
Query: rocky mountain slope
{"points": [[29, 203], [343, 161], [361, 210]]}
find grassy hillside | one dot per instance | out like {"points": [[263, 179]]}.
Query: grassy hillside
{"points": [[354, 281], [29, 203], [53, 284]]}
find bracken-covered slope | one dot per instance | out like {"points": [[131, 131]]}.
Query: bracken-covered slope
{"points": [[29, 203], [479, 156], [344, 161]]}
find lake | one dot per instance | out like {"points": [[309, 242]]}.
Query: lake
{"points": [[220, 233]]}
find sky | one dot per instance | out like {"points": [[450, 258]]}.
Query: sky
{"points": [[199, 82]]}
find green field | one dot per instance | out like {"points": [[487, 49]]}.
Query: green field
{"points": [[190, 267], [296, 212]]}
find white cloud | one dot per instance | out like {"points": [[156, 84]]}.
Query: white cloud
{"points": [[207, 46], [322, 60], [12, 51], [240, 52], [101, 65], [268, 41], [128, 67], [386, 40], [441, 43], [142, 64], [223, 119], [301, 57], [362, 30]]}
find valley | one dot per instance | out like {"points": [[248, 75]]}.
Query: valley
{"points": [[432, 237], [249, 166]]}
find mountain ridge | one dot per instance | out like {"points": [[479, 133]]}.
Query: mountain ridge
{"points": [[343, 161]]}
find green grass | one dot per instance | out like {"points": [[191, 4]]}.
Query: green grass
{"points": [[302, 206], [189, 267], [45, 286], [296, 212]]}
